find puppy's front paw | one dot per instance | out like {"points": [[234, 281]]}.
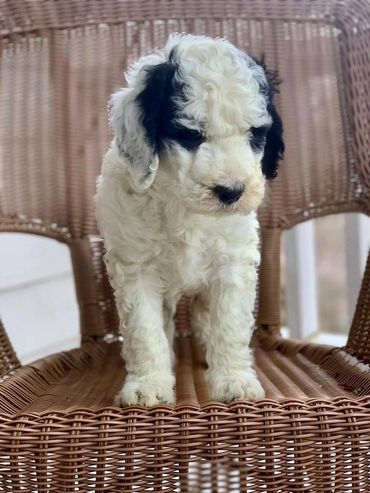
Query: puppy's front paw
{"points": [[234, 385], [146, 390]]}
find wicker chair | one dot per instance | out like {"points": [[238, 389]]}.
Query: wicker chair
{"points": [[59, 430]]}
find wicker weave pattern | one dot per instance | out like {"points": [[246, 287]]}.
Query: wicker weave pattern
{"points": [[261, 448], [59, 61]]}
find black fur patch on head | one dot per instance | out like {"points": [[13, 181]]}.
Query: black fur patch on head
{"points": [[188, 138], [170, 129], [159, 103], [274, 146], [172, 57], [258, 137], [153, 99]]}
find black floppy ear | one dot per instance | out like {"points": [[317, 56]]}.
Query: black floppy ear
{"points": [[151, 100], [135, 116], [274, 147]]}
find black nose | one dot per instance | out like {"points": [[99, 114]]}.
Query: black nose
{"points": [[229, 195]]}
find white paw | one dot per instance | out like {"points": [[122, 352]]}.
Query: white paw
{"points": [[234, 385], [147, 390]]}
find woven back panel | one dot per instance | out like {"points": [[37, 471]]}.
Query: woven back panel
{"points": [[60, 61]]}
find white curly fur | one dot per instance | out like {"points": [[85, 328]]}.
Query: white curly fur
{"points": [[166, 233]]}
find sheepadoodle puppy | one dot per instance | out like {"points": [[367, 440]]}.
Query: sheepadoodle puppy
{"points": [[196, 134]]}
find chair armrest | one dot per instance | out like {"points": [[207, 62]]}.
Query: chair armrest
{"points": [[358, 342], [354, 21], [8, 358]]}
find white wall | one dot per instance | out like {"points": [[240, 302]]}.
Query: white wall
{"points": [[301, 258], [37, 296]]}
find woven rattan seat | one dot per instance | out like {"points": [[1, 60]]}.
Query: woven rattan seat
{"points": [[59, 429], [89, 377]]}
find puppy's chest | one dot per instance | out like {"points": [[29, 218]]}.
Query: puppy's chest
{"points": [[191, 256]]}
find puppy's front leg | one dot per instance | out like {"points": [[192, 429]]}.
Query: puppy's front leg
{"points": [[146, 349], [230, 374]]}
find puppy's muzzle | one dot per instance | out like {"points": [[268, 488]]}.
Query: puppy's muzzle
{"points": [[229, 195]]}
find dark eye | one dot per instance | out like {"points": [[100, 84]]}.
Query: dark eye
{"points": [[188, 138], [257, 137]]}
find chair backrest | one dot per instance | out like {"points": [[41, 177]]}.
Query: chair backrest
{"points": [[59, 62]]}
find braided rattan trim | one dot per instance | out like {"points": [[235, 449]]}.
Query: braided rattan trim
{"points": [[34, 226]]}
